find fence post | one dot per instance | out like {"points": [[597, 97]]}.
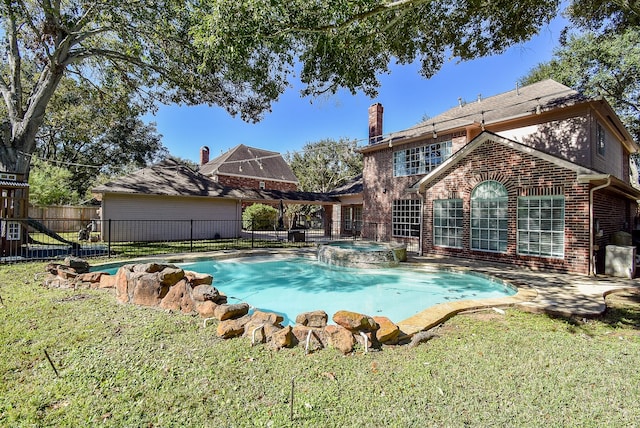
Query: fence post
{"points": [[252, 229], [109, 239], [191, 236]]}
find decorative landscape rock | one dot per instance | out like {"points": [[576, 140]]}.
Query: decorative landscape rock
{"points": [[339, 338], [283, 338], [204, 292], [206, 309], [73, 273], [388, 332], [270, 317], [225, 312], [354, 321], [230, 328], [313, 337], [196, 278], [313, 319]]}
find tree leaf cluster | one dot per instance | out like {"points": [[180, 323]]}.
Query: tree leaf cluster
{"points": [[324, 165], [600, 56]]}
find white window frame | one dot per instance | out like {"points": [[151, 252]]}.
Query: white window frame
{"points": [[541, 223], [405, 218], [421, 159], [489, 217], [13, 231], [448, 223]]}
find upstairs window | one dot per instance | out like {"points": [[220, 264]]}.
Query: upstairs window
{"points": [[420, 160], [601, 139]]}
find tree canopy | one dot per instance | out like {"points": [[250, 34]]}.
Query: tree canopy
{"points": [[92, 131], [324, 165], [602, 57], [239, 55]]}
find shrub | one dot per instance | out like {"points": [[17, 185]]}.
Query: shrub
{"points": [[259, 217]]}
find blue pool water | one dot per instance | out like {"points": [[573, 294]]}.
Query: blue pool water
{"points": [[294, 285]]}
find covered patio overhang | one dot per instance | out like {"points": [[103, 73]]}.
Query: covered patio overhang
{"points": [[612, 184]]}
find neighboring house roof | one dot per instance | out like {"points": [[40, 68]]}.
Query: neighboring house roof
{"points": [[170, 178], [584, 174], [351, 187], [244, 161]]}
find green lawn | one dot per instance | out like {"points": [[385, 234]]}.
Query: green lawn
{"points": [[121, 365]]}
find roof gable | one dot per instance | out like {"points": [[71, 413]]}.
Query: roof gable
{"points": [[251, 162], [168, 177], [489, 136]]}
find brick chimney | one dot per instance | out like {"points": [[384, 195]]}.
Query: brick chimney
{"points": [[204, 155], [375, 123]]}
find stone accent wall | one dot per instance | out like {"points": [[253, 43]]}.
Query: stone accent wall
{"points": [[519, 173], [254, 183]]}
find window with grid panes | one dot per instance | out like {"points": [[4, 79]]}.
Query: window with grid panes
{"points": [[489, 217], [541, 226], [420, 160], [447, 223], [405, 217]]}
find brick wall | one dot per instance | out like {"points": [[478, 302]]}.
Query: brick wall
{"points": [[520, 174], [381, 187], [254, 183]]}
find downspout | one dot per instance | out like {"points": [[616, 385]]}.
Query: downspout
{"points": [[421, 234], [592, 257]]}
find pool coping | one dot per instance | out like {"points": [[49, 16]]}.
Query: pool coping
{"points": [[559, 294]]}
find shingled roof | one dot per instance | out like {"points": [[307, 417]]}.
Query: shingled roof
{"points": [[250, 162], [527, 100], [170, 178], [351, 187]]}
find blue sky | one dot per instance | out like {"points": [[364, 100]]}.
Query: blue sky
{"points": [[406, 96]]}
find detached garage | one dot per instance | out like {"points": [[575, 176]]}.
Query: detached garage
{"points": [[168, 201]]}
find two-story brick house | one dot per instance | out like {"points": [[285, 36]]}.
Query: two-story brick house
{"points": [[537, 176], [245, 167]]}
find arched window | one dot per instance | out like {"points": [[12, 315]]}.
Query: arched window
{"points": [[489, 217]]}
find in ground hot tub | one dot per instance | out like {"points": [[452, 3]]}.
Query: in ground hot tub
{"points": [[362, 254]]}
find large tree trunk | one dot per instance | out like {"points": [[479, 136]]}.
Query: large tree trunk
{"points": [[15, 161]]}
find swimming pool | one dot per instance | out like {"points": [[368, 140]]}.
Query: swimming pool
{"points": [[290, 286]]}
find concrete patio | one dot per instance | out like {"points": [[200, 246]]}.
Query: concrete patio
{"points": [[538, 291]]}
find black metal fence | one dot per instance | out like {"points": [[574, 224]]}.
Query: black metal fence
{"points": [[27, 239]]}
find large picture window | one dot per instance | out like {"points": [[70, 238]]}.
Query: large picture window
{"points": [[447, 223], [541, 226], [489, 217], [405, 217], [420, 160]]}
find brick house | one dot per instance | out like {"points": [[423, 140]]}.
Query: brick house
{"points": [[245, 167], [538, 176]]}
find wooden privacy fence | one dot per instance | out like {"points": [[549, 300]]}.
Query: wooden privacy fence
{"points": [[63, 218]]}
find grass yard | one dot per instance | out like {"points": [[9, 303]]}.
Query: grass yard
{"points": [[121, 365]]}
